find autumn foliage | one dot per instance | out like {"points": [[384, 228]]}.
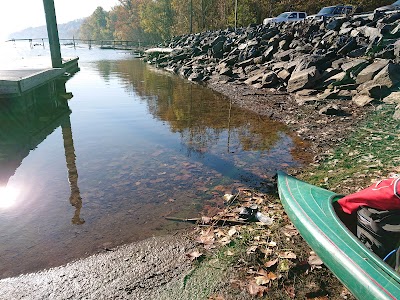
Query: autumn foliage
{"points": [[151, 21]]}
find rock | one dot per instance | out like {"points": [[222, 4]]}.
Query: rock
{"points": [[389, 76], [358, 52], [337, 79], [284, 44], [354, 64], [396, 114], [335, 24], [393, 98], [328, 94], [370, 71], [254, 79], [225, 71], [259, 60], [337, 63], [196, 76], [284, 75], [304, 96], [230, 60], [332, 110], [349, 46], [284, 55], [371, 33], [303, 79], [362, 99], [269, 79], [396, 51], [246, 63]]}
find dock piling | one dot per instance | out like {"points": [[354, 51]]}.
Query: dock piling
{"points": [[52, 31]]}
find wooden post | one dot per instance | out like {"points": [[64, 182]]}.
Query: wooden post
{"points": [[52, 32]]}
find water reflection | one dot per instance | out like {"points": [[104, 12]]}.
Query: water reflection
{"points": [[25, 122], [75, 198], [201, 116]]}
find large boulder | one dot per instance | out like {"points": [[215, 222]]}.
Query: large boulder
{"points": [[370, 71], [303, 79], [389, 76]]}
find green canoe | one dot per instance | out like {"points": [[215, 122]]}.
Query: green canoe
{"points": [[361, 271]]}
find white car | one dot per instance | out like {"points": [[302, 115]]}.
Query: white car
{"points": [[392, 7], [289, 16]]}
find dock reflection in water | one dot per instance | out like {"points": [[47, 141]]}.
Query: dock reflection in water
{"points": [[146, 144]]}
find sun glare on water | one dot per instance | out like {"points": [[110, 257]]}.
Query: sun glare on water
{"points": [[8, 196]]}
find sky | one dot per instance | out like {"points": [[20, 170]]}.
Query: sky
{"points": [[16, 15]]}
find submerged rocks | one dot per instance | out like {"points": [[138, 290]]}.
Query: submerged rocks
{"points": [[348, 58]]}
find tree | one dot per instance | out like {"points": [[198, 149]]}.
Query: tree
{"points": [[96, 26], [156, 17]]}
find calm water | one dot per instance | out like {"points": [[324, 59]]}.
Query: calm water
{"points": [[132, 146]]}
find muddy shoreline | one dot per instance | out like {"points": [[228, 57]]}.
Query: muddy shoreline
{"points": [[320, 131]]}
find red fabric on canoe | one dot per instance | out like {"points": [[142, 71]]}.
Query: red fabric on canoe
{"points": [[384, 195]]}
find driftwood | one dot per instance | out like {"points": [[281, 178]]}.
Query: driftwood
{"points": [[220, 222]]}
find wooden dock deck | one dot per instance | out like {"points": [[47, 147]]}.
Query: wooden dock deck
{"points": [[15, 82]]}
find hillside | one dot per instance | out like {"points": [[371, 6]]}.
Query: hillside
{"points": [[65, 31]]}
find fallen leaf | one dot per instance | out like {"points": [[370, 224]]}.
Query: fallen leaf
{"points": [[254, 289], [262, 272], [272, 276], [287, 254], [216, 297], [314, 261], [289, 230], [266, 251], [219, 232], [290, 291], [251, 249], [261, 280], [232, 231], [205, 220], [224, 241], [228, 197], [270, 263], [194, 255], [206, 238]]}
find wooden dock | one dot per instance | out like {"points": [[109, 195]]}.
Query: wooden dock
{"points": [[16, 82]]}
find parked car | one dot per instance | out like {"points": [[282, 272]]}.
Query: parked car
{"points": [[289, 16], [332, 11], [390, 7]]}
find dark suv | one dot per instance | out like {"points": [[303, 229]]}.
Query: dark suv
{"points": [[332, 11]]}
